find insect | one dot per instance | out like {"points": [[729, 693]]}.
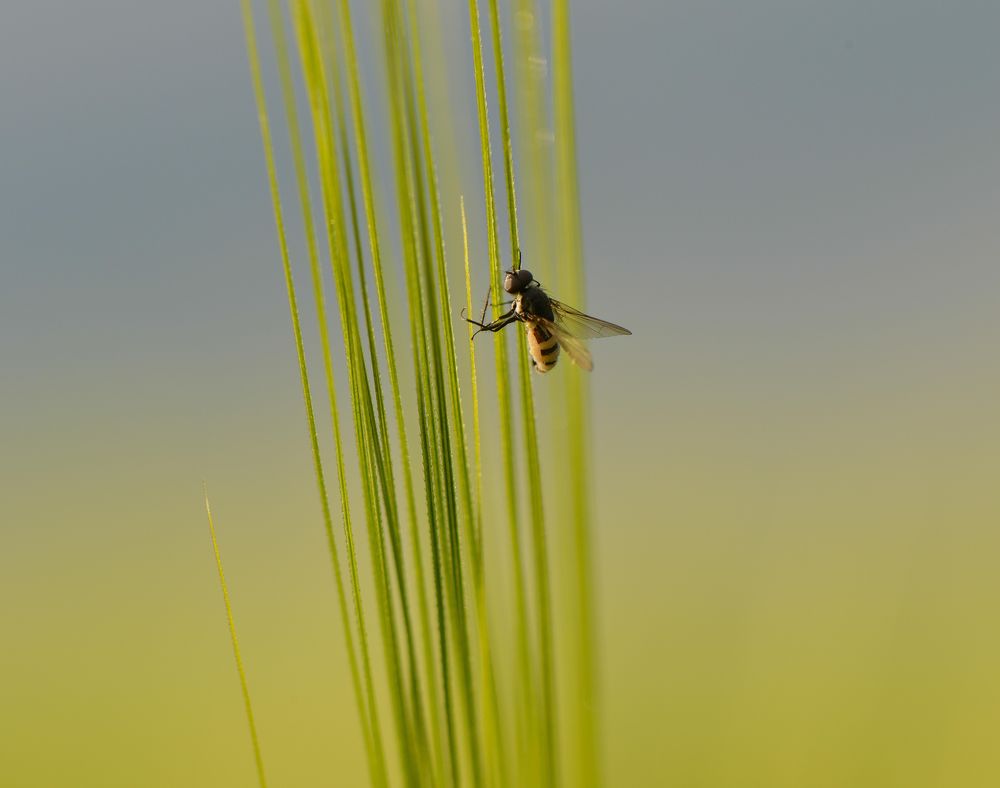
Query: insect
{"points": [[550, 324]]}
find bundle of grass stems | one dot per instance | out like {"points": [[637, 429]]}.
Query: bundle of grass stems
{"points": [[466, 607]]}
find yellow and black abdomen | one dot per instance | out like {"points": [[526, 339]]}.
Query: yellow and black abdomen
{"points": [[542, 346]]}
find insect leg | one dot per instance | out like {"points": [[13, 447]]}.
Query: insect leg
{"points": [[486, 305], [498, 303], [502, 321]]}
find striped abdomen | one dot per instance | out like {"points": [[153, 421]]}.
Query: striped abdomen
{"points": [[542, 347]]}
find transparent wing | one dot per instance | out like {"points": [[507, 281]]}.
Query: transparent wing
{"points": [[577, 324], [574, 348]]}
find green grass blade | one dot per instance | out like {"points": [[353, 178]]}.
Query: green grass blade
{"points": [[376, 760], [493, 728], [258, 760], [438, 657], [295, 137], [549, 740], [373, 472], [361, 146], [536, 216], [382, 458], [439, 493], [571, 279], [446, 315], [430, 433], [525, 675], [443, 343], [476, 437], [491, 714]]}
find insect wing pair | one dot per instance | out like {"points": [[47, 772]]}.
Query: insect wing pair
{"points": [[571, 326]]}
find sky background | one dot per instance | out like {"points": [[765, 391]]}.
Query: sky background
{"points": [[793, 205]]}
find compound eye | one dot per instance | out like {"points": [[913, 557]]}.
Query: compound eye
{"points": [[524, 278], [510, 283]]}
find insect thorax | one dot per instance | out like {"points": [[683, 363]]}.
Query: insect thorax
{"points": [[533, 302]]}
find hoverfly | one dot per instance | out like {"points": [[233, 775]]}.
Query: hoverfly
{"points": [[549, 324]]}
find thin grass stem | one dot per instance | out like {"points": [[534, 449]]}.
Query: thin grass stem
{"points": [[570, 235], [258, 760]]}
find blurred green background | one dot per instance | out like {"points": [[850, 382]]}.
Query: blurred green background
{"points": [[794, 208]]}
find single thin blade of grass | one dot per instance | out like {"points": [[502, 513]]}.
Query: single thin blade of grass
{"points": [[531, 102], [258, 760], [570, 235], [476, 437]]}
